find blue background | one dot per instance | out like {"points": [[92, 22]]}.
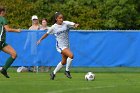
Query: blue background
{"points": [[92, 49]]}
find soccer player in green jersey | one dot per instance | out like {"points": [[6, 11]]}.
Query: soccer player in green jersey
{"points": [[3, 45]]}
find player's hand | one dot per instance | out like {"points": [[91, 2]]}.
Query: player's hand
{"points": [[76, 25], [38, 42], [18, 30]]}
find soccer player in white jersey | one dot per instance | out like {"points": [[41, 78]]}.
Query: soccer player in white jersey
{"points": [[61, 30]]}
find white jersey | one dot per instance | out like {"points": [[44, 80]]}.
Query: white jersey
{"points": [[61, 32]]}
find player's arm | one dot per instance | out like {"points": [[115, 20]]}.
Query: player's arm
{"points": [[7, 28], [45, 35], [71, 24]]}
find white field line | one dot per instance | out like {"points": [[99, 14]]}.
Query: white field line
{"points": [[66, 90]]}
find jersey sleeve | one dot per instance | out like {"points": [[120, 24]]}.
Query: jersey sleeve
{"points": [[5, 22], [69, 24], [50, 30]]}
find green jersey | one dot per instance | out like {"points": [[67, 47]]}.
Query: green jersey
{"points": [[3, 22]]}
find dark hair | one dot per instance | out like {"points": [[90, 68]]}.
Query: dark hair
{"points": [[44, 19], [55, 16], [2, 9]]}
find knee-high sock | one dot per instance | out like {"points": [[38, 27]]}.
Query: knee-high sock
{"points": [[8, 63], [69, 60], [58, 67]]}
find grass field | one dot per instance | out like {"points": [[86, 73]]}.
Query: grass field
{"points": [[108, 80]]}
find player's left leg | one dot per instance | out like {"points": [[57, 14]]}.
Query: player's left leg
{"points": [[69, 54], [9, 50]]}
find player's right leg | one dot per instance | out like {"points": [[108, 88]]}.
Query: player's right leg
{"points": [[69, 54], [58, 67], [9, 50]]}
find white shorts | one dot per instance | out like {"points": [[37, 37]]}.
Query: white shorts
{"points": [[60, 49]]}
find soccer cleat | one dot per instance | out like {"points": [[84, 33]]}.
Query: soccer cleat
{"points": [[52, 75], [4, 72], [67, 73]]}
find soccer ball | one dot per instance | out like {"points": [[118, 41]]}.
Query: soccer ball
{"points": [[89, 76]]}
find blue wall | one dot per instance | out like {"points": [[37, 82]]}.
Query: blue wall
{"points": [[98, 49]]}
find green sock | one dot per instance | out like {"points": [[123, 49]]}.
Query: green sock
{"points": [[8, 63]]}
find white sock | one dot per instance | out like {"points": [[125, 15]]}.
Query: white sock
{"points": [[69, 60], [58, 67]]}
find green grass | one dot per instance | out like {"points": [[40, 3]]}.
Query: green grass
{"points": [[116, 81]]}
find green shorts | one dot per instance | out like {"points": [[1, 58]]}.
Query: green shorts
{"points": [[2, 45]]}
